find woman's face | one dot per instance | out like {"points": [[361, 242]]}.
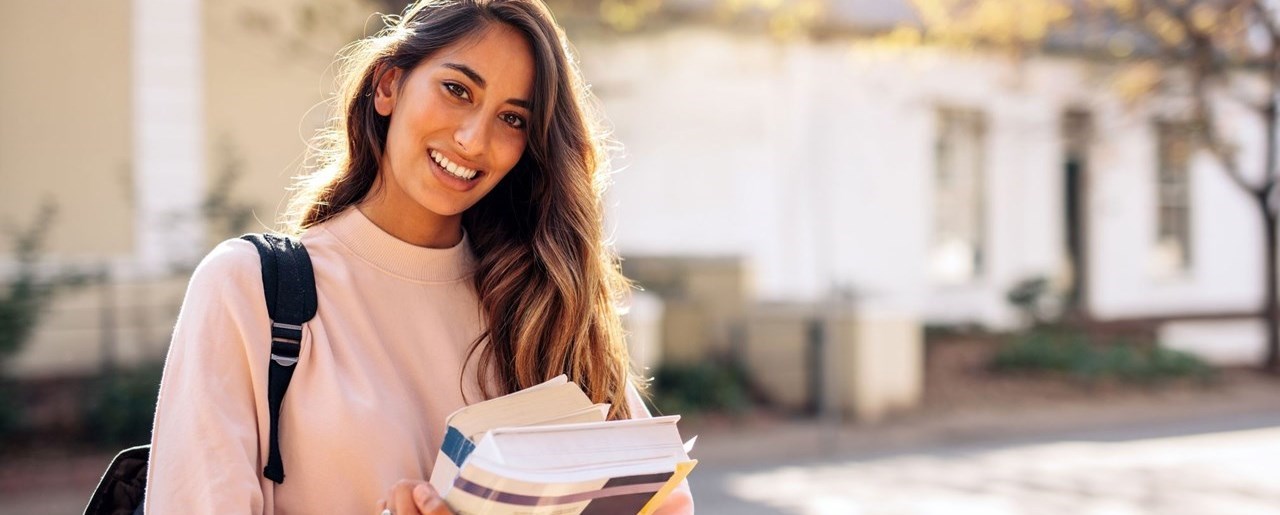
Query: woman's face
{"points": [[458, 123]]}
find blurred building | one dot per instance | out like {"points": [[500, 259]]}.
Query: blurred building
{"points": [[921, 183], [150, 125], [127, 112], [929, 181]]}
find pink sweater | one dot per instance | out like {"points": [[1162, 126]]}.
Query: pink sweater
{"points": [[379, 371]]}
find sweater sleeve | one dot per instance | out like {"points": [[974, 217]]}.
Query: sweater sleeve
{"points": [[205, 455], [681, 500]]}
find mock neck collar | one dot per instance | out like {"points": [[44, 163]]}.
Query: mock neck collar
{"points": [[395, 256]]}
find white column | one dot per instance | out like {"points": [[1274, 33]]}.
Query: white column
{"points": [[168, 125], [805, 231]]}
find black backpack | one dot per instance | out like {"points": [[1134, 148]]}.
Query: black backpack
{"points": [[290, 287]]}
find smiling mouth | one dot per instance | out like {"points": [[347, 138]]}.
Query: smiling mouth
{"points": [[452, 168]]}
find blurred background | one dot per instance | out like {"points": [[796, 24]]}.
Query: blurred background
{"points": [[895, 256]]}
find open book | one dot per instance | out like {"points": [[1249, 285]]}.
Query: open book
{"points": [[548, 450]]}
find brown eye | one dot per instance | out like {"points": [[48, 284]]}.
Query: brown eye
{"points": [[457, 90], [513, 120]]}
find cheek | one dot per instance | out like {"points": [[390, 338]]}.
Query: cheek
{"points": [[399, 138], [510, 150]]}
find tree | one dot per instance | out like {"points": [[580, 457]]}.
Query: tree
{"points": [[1220, 52], [24, 299], [28, 293]]}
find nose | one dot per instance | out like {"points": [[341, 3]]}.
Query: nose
{"points": [[472, 136]]}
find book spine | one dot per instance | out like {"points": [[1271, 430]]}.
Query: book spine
{"points": [[453, 452], [456, 446]]}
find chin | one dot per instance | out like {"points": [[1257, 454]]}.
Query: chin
{"points": [[444, 211], [445, 208]]}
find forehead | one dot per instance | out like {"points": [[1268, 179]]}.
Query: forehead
{"points": [[499, 54]]}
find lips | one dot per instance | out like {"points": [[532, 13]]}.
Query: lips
{"points": [[451, 180], [454, 169]]}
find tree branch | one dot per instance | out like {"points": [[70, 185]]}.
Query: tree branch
{"points": [[1217, 146], [1203, 69], [1272, 65], [1268, 20], [1178, 12], [1242, 97]]}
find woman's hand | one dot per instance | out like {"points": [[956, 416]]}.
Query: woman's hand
{"points": [[413, 498]]}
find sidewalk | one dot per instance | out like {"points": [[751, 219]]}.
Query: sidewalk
{"points": [[917, 459], [1219, 473], [762, 441]]}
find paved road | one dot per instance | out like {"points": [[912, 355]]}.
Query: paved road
{"points": [[1229, 466]]}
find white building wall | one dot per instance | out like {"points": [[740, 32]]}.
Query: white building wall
{"points": [[877, 225], [697, 176], [1226, 265], [816, 163]]}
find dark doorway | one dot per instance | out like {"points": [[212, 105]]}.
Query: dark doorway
{"points": [[1077, 129]]}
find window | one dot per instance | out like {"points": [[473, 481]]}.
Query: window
{"points": [[1173, 197], [959, 235]]}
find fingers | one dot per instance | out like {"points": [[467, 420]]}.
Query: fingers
{"points": [[428, 500], [401, 498], [412, 498]]}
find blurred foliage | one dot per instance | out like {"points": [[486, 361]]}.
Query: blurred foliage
{"points": [[935, 331], [625, 15], [314, 27], [26, 297], [1146, 37], [703, 387], [312, 30], [1073, 353], [1120, 28], [10, 409], [121, 406], [1001, 22], [782, 19], [27, 294]]}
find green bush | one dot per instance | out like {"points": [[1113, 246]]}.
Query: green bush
{"points": [[1072, 353], [121, 407], [700, 387], [10, 410]]}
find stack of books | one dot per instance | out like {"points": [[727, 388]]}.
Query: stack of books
{"points": [[548, 450]]}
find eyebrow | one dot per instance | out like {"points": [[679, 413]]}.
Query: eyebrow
{"points": [[475, 77]]}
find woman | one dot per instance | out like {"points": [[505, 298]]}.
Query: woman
{"points": [[454, 226]]}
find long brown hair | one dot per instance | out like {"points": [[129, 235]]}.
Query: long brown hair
{"points": [[547, 280]]}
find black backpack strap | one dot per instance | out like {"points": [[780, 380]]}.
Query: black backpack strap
{"points": [[290, 287]]}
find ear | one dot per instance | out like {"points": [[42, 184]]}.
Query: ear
{"points": [[386, 86]]}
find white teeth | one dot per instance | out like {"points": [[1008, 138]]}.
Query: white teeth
{"points": [[454, 169]]}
